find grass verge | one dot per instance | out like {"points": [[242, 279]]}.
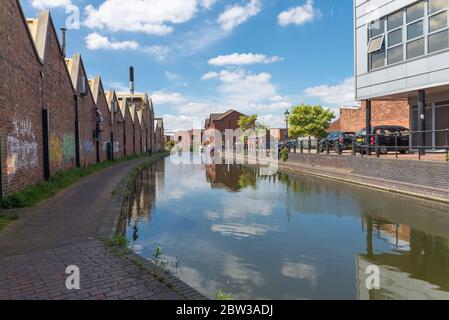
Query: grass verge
{"points": [[5, 220], [48, 189]]}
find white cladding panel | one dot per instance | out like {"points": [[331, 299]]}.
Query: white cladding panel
{"points": [[424, 72]]}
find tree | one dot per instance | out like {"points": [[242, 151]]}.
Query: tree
{"points": [[307, 120], [246, 123]]}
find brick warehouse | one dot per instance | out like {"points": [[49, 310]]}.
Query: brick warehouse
{"points": [[52, 117]]}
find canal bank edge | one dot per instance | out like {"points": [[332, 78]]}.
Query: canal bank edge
{"points": [[117, 209], [346, 175], [405, 189]]}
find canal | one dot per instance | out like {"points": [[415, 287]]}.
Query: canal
{"points": [[229, 228]]}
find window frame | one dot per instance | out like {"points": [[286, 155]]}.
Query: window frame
{"points": [[425, 37]]}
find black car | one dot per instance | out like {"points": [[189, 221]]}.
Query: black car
{"points": [[389, 138], [336, 139]]}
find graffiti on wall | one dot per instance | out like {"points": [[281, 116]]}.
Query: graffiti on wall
{"points": [[22, 148], [56, 155], [116, 147], [68, 146], [88, 146]]}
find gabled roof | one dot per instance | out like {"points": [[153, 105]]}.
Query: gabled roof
{"points": [[38, 28], [95, 84], [227, 113], [110, 96], [73, 65], [123, 107], [158, 123], [132, 111], [140, 116]]}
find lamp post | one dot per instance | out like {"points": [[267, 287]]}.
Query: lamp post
{"points": [[287, 117]]}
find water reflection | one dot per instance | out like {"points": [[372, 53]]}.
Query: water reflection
{"points": [[288, 237]]}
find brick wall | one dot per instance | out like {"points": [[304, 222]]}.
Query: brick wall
{"points": [[382, 113], [105, 135], [138, 136], [420, 173], [29, 85], [20, 104], [58, 98], [87, 124], [129, 132]]}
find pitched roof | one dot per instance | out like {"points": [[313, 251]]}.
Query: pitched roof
{"points": [[95, 85], [110, 96], [38, 28]]}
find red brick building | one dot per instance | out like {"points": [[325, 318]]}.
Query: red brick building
{"points": [[222, 122], [117, 124], [50, 113], [102, 120], [85, 107], [352, 119]]}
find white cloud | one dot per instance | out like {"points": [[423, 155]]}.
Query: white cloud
{"points": [[341, 94], [299, 15], [162, 97], [158, 52], [208, 3], [95, 41], [50, 4], [242, 59], [242, 88], [236, 15], [147, 16]]}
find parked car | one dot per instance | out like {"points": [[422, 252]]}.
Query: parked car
{"points": [[336, 139], [290, 145], [390, 138]]}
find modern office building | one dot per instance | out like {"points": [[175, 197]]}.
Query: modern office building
{"points": [[402, 52]]}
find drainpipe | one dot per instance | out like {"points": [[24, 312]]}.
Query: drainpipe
{"points": [[422, 121], [77, 134], [368, 126], [63, 40]]}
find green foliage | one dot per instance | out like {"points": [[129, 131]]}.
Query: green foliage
{"points": [[246, 123], [283, 155], [447, 157], [169, 145], [222, 296], [157, 253], [5, 220], [118, 240], [48, 189], [307, 120]]}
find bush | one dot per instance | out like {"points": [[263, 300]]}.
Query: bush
{"points": [[447, 157], [284, 154]]}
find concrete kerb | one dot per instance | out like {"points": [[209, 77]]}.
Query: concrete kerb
{"points": [[117, 209]]}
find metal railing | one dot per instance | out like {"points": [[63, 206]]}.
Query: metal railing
{"points": [[439, 140]]}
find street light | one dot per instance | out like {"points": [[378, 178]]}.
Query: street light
{"points": [[287, 117]]}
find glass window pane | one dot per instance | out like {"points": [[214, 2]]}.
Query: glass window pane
{"points": [[438, 21], [395, 54], [415, 30], [377, 59], [395, 37], [415, 48], [395, 20], [436, 5], [377, 28], [376, 44], [415, 12], [438, 41]]}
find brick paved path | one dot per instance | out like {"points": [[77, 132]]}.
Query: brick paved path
{"points": [[36, 249]]}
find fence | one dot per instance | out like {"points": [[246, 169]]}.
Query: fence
{"points": [[381, 144]]}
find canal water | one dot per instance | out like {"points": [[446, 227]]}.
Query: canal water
{"points": [[229, 228]]}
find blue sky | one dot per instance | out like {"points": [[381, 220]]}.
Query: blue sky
{"points": [[195, 57]]}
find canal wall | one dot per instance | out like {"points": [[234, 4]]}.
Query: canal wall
{"points": [[418, 177]]}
